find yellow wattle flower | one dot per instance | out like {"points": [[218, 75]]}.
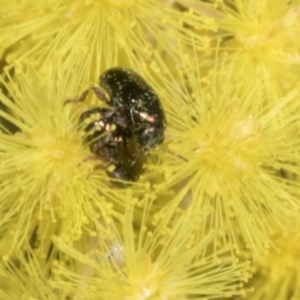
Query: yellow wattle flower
{"points": [[48, 184], [234, 141], [163, 263], [260, 36], [278, 277], [233, 131], [94, 35]]}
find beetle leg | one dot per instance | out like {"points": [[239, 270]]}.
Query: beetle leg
{"points": [[98, 92], [100, 95], [106, 113], [131, 116], [76, 100]]}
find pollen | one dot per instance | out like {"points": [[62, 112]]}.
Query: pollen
{"points": [[227, 143], [58, 154], [227, 150]]}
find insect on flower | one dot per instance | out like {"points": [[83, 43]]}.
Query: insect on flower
{"points": [[135, 123]]}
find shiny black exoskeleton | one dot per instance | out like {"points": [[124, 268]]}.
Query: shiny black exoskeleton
{"points": [[124, 133], [131, 95]]}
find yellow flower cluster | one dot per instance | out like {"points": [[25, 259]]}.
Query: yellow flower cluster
{"points": [[195, 217]]}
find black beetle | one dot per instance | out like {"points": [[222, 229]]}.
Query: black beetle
{"points": [[124, 133], [129, 92]]}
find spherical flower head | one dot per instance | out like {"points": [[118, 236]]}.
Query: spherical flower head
{"points": [[165, 263], [278, 276], [229, 143], [95, 34], [259, 35], [49, 184]]}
